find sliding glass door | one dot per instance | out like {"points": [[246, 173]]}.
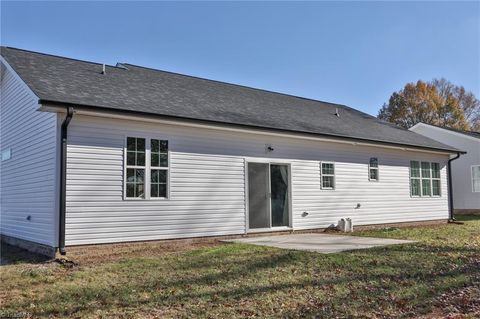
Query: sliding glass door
{"points": [[268, 195], [258, 194], [279, 195]]}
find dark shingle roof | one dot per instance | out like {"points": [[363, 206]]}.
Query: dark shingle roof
{"points": [[139, 89]]}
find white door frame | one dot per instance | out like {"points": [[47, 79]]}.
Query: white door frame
{"points": [[247, 203]]}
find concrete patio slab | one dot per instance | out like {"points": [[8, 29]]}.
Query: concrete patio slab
{"points": [[321, 243]]}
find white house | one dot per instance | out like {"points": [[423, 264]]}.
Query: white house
{"points": [[103, 154], [465, 170]]}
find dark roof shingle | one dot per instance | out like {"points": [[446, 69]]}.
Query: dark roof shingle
{"points": [[139, 89]]}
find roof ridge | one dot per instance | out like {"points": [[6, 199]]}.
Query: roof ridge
{"points": [[58, 56], [243, 86], [192, 97], [194, 77]]}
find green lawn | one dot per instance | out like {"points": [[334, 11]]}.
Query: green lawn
{"points": [[437, 276]]}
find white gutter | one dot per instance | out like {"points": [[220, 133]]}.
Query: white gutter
{"points": [[149, 119]]}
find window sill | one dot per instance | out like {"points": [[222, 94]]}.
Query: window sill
{"points": [[425, 197], [146, 199]]}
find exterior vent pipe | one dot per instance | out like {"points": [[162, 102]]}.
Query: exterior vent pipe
{"points": [[63, 180]]}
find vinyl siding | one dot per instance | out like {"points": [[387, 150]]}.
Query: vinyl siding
{"points": [[463, 195], [28, 178], [207, 183]]}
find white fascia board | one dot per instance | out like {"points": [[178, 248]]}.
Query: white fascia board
{"points": [[226, 127]]}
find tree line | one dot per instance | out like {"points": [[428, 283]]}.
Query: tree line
{"points": [[438, 102]]}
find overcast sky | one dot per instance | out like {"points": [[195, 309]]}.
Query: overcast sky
{"points": [[353, 53]]}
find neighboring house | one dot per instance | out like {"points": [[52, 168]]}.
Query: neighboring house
{"points": [[156, 155], [465, 170]]}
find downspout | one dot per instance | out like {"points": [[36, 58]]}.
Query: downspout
{"points": [[451, 218], [63, 180]]}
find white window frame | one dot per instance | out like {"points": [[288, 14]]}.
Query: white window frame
{"points": [[167, 169], [421, 178], [147, 167], [417, 178], [429, 179], [473, 182], [126, 167], [333, 175], [374, 168], [439, 179]]}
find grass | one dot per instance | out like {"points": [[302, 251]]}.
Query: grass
{"points": [[435, 277]]}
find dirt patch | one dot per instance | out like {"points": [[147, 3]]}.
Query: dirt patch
{"points": [[93, 254]]}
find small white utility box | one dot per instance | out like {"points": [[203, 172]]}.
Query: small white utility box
{"points": [[348, 225], [345, 225]]}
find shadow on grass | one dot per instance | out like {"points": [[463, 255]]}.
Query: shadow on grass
{"points": [[395, 281], [466, 218], [374, 279], [14, 255], [420, 247]]}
